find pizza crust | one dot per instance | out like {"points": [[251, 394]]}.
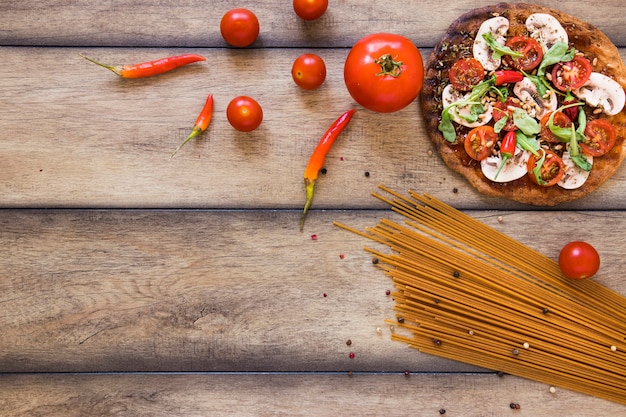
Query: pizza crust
{"points": [[457, 42]]}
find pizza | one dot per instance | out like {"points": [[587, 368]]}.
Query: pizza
{"points": [[527, 103]]}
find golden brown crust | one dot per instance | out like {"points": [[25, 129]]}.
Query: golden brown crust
{"points": [[457, 42]]}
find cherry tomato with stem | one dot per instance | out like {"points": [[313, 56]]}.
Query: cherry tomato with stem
{"points": [[571, 75], [532, 50], [579, 260], [384, 72], [480, 141], [310, 9], [600, 137], [239, 27], [244, 113], [309, 71], [466, 73]]}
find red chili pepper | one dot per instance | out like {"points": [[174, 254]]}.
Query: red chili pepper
{"points": [[571, 112], [202, 122], [316, 162], [148, 69], [507, 149], [508, 76]]}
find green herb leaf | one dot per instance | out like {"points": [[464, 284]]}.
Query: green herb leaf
{"points": [[557, 53], [541, 82], [499, 125], [537, 169], [574, 151], [499, 50], [474, 99], [445, 126], [525, 123], [564, 133], [527, 143]]}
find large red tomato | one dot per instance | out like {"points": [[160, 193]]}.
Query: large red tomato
{"points": [[384, 72]]}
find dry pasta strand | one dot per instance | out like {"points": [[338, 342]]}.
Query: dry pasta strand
{"points": [[468, 292]]}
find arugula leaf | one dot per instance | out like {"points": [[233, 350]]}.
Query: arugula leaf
{"points": [[540, 81], [574, 148], [499, 125], [525, 123], [564, 133], [527, 143], [445, 126], [474, 99], [559, 52], [537, 169], [498, 49]]}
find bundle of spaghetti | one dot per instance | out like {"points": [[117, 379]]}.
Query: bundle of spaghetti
{"points": [[468, 292]]}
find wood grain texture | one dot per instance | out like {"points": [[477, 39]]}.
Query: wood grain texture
{"points": [[116, 258], [194, 23], [392, 395], [90, 139], [89, 291]]}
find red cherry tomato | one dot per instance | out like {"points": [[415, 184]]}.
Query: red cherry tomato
{"points": [[310, 9], [466, 73], [308, 71], [480, 141], [560, 119], [600, 137], [551, 171], [579, 260], [532, 50], [384, 72], [571, 75], [244, 113], [239, 27]]}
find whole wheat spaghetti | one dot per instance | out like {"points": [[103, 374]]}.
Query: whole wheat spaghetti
{"points": [[470, 293]]}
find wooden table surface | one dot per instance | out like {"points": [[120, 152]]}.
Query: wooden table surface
{"points": [[133, 284]]}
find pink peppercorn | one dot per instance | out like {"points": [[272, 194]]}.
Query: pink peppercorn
{"points": [[351, 355]]}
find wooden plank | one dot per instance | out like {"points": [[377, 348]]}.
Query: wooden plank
{"points": [[85, 138], [420, 395], [191, 23], [96, 291]]}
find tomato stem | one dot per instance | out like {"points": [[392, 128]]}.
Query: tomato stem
{"points": [[389, 66]]}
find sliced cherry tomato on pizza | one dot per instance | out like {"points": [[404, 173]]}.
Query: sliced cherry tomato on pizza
{"points": [[480, 141], [501, 110], [560, 119], [550, 172], [600, 137], [571, 75], [466, 73], [532, 50]]}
